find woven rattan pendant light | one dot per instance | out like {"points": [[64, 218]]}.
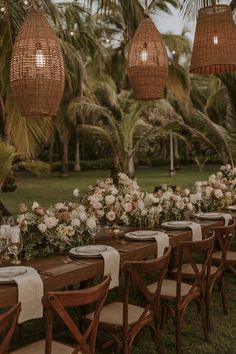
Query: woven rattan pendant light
{"points": [[214, 48], [148, 65], [37, 69]]}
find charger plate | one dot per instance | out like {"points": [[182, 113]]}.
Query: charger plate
{"points": [[141, 235], [176, 225], [8, 273], [210, 216], [88, 251]]}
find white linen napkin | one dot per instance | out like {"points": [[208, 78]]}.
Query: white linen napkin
{"points": [[30, 293], [196, 231], [111, 265], [227, 217], [162, 240]]}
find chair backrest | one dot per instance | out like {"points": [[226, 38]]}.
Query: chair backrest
{"points": [[134, 271], [8, 323], [57, 302], [189, 251], [223, 238]]}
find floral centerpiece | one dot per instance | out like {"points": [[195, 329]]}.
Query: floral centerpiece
{"points": [[54, 230]]}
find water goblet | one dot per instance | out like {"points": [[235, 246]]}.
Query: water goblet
{"points": [[15, 244], [5, 233], [93, 233], [3, 243]]}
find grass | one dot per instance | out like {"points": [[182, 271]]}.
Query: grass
{"points": [[50, 189]]}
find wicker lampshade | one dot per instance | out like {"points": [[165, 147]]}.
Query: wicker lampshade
{"points": [[37, 72], [214, 48], [148, 66]]}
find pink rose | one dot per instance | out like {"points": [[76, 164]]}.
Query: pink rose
{"points": [[128, 207], [110, 215]]}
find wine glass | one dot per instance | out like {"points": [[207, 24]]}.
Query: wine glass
{"points": [[5, 233], [93, 233], [15, 244], [3, 242]]}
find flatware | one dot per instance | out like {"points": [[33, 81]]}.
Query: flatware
{"points": [[70, 260], [44, 272]]}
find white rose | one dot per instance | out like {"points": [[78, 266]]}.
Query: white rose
{"points": [[228, 195], [155, 200], [113, 190], [209, 189], [110, 199], [91, 222], [76, 192], [35, 205], [83, 216], [167, 195], [180, 204], [97, 205], [190, 206], [50, 221], [198, 184], [228, 167], [219, 174], [110, 215], [187, 192], [42, 227], [222, 168], [61, 206], [100, 213], [143, 212], [100, 184], [218, 193], [75, 223], [70, 231], [127, 207]]}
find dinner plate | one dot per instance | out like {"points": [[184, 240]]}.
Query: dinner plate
{"points": [[232, 207], [177, 225], [88, 251], [8, 273], [141, 235], [210, 216]]}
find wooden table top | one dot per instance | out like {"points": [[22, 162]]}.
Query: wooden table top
{"points": [[65, 274]]}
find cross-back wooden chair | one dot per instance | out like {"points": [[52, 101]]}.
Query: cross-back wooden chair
{"points": [[56, 303], [8, 323], [176, 295], [127, 318]]}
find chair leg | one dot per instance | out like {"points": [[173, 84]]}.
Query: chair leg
{"points": [[223, 297], [178, 331], [204, 317]]}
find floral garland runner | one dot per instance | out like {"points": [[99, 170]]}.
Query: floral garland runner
{"points": [[57, 229]]}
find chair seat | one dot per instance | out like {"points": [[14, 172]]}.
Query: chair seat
{"points": [[168, 288], [112, 314], [188, 270], [39, 348], [230, 256]]}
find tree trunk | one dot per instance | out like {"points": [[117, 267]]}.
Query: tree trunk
{"points": [[115, 169], [176, 153], [50, 155], [65, 161], [77, 166]]}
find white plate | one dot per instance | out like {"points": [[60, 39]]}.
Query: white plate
{"points": [[232, 207], [178, 225], [142, 235], [88, 251], [210, 216], [8, 273]]}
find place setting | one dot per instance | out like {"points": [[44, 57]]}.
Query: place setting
{"points": [[161, 238], [214, 216], [110, 255], [185, 225]]}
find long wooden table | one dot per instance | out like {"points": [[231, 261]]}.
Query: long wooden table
{"points": [[72, 273]]}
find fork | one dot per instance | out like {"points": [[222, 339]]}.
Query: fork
{"points": [[69, 260]]}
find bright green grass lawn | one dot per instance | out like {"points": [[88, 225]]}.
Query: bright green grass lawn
{"points": [[51, 189]]}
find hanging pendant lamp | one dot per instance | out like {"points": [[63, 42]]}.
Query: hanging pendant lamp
{"points": [[214, 48], [37, 72], [147, 62]]}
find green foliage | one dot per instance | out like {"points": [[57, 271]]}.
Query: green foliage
{"points": [[37, 168], [6, 160]]}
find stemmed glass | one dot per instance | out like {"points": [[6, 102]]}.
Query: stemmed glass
{"points": [[15, 244], [93, 233], [5, 234], [3, 242]]}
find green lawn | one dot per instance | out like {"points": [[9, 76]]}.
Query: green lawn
{"points": [[51, 189]]}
